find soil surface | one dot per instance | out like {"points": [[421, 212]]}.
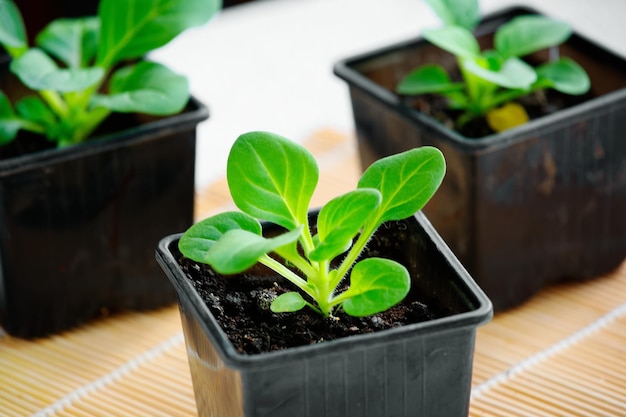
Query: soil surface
{"points": [[241, 303], [537, 104]]}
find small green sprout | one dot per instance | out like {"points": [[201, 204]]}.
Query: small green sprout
{"points": [[273, 179], [83, 69], [494, 77]]}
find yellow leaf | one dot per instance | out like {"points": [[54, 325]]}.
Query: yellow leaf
{"points": [[506, 117]]}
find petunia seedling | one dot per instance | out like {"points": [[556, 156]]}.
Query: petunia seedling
{"points": [[81, 70], [494, 77], [273, 179]]}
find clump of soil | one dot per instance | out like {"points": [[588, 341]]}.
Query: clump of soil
{"points": [[240, 303]]}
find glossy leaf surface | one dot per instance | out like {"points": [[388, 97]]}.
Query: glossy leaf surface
{"points": [[565, 75], [272, 178], [12, 30], [148, 88], [526, 34], [130, 29], [39, 72], [73, 41], [428, 79], [454, 39], [341, 219], [288, 303], [376, 284], [200, 237], [464, 13], [238, 249], [9, 122], [514, 73], [406, 181]]}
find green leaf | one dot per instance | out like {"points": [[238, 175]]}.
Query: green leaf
{"points": [[130, 29], [73, 41], [514, 73], [464, 13], [376, 284], [526, 34], [39, 72], [10, 124], [564, 75], [272, 178], [454, 39], [341, 219], [238, 249], [34, 109], [288, 303], [12, 31], [200, 237], [147, 87], [429, 78], [406, 181]]}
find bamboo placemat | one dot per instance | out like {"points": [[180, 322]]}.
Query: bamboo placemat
{"points": [[563, 353]]}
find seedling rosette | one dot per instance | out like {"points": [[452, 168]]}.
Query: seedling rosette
{"points": [[81, 70], [273, 179], [492, 79]]}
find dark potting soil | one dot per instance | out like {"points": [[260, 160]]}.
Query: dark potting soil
{"points": [[537, 104], [240, 303]]}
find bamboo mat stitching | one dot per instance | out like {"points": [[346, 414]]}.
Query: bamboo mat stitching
{"points": [[112, 377], [544, 355]]}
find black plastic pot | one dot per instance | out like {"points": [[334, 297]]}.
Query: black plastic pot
{"points": [[530, 206], [421, 369], [78, 225]]}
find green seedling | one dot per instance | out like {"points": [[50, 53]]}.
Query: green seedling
{"points": [[81, 70], [497, 76], [273, 179]]}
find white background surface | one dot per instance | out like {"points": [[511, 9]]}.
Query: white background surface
{"points": [[267, 65]]}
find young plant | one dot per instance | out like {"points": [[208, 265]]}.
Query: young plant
{"points": [[273, 179], [83, 69], [494, 77]]}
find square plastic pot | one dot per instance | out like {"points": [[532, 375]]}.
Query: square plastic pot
{"points": [[421, 369], [78, 225], [531, 206]]}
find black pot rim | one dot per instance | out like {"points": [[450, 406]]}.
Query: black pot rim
{"points": [[480, 315], [343, 69], [195, 113]]}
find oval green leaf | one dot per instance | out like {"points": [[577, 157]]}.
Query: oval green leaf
{"points": [[39, 72], [200, 237], [464, 13], [454, 39], [406, 181], [526, 34], [429, 78], [564, 75], [147, 87], [272, 178], [341, 219], [130, 29], [376, 284], [12, 30], [514, 73], [34, 109], [10, 124], [288, 303], [238, 249], [73, 41]]}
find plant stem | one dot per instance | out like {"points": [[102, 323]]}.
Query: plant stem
{"points": [[56, 102], [286, 273], [354, 253], [89, 124]]}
